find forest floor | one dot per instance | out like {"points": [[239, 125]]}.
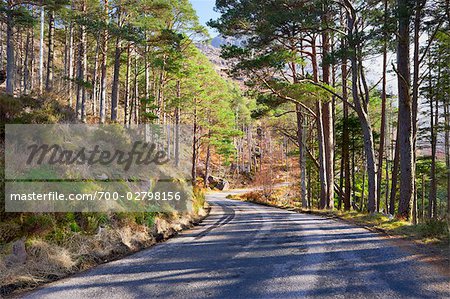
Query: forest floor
{"points": [[428, 241]]}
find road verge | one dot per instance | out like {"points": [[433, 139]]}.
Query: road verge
{"points": [[46, 261]]}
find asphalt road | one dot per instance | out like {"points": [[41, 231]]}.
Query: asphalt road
{"points": [[244, 250]]}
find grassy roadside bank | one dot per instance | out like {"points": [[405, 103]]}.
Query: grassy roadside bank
{"points": [[36, 248], [59, 250], [434, 234]]}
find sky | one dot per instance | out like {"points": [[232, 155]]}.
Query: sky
{"points": [[205, 12]]}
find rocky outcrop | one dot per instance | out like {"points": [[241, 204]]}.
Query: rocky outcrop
{"points": [[18, 255], [218, 183]]}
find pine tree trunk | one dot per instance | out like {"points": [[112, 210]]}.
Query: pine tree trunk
{"points": [[70, 66], [447, 152], [95, 93], [345, 142], [127, 85], [395, 170], [327, 114], [207, 162], [309, 187], [320, 135], [84, 62], [322, 159], [104, 65], [389, 154], [405, 112], [50, 46], [80, 67], [383, 111], [345, 180], [26, 75], [354, 172], [432, 193], [115, 85], [302, 161], [423, 198], [19, 60], [304, 185], [41, 52], [177, 127], [363, 191], [147, 72], [194, 146], [31, 71], [66, 53], [434, 122], [250, 147], [1, 46], [10, 59], [136, 89], [419, 4], [160, 99], [146, 102]]}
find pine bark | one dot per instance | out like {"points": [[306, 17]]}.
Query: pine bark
{"points": [[70, 63], [207, 162], [41, 52], [81, 94], [383, 111], [177, 127], [345, 180], [127, 86], [95, 93], [415, 90], [345, 142], [84, 62], [115, 85], [26, 75], [447, 152], [395, 170], [434, 121], [405, 111], [10, 59], [327, 114], [320, 134], [322, 159], [302, 161], [51, 49], [104, 74], [194, 145]]}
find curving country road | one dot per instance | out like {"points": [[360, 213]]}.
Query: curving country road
{"points": [[244, 250]]}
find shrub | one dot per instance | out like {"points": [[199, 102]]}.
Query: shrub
{"points": [[146, 218], [9, 231], [74, 227], [199, 199], [433, 229], [38, 224]]}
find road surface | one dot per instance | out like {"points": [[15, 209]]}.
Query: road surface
{"points": [[243, 250]]}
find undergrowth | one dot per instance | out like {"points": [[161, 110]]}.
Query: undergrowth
{"points": [[58, 244]]}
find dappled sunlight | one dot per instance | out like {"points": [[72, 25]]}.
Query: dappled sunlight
{"points": [[261, 252]]}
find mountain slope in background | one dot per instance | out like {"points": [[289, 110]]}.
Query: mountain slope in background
{"points": [[220, 40]]}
